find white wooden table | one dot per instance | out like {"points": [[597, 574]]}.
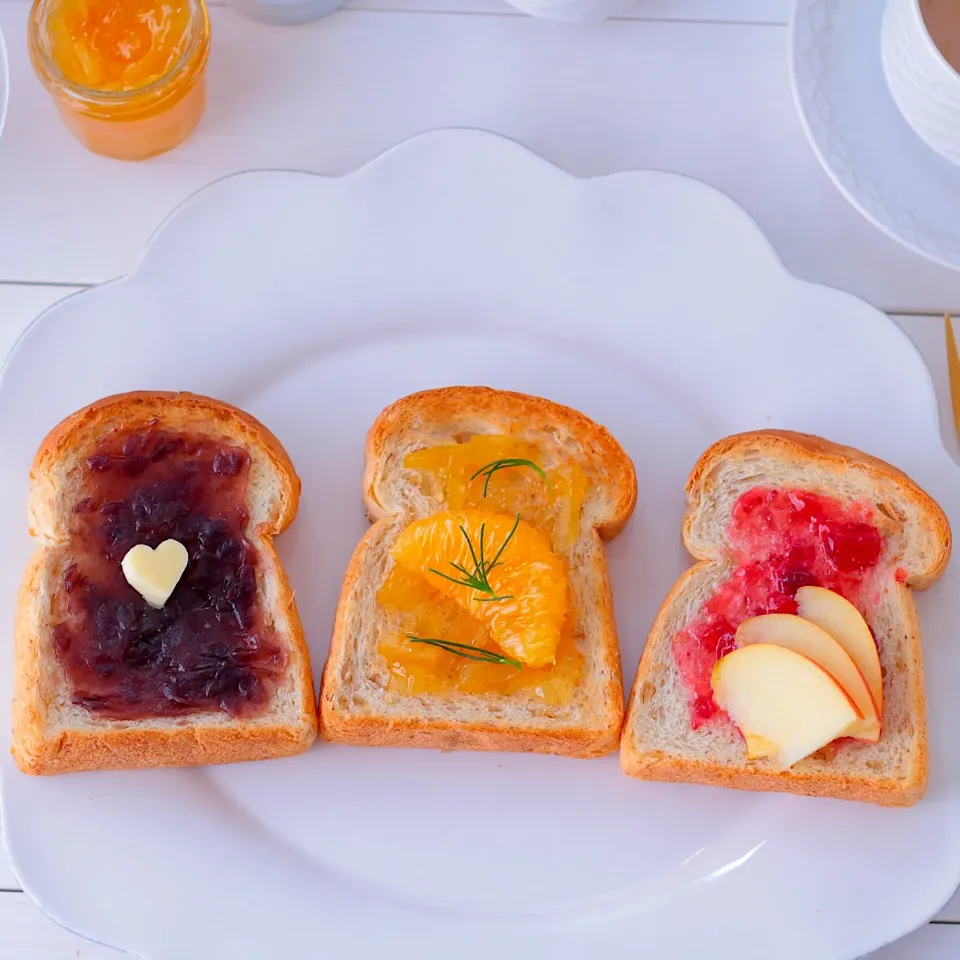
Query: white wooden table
{"points": [[695, 86]]}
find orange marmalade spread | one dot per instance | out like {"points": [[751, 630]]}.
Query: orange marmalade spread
{"points": [[486, 576], [126, 75]]}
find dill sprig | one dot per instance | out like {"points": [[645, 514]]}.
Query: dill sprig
{"points": [[467, 651], [491, 468], [478, 578]]}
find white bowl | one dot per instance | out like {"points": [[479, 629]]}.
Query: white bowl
{"points": [[924, 85], [574, 11], [285, 12]]}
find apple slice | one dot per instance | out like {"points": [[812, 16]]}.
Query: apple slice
{"points": [[806, 638], [842, 620], [785, 705]]}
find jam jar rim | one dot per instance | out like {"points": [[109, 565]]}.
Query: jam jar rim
{"points": [[197, 49]]}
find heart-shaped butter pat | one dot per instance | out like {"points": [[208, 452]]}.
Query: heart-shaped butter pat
{"points": [[154, 573]]}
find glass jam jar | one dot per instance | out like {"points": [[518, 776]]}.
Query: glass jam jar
{"points": [[126, 75]]}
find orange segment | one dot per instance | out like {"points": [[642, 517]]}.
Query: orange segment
{"points": [[423, 669], [114, 45], [419, 667], [553, 506], [570, 489], [526, 604], [536, 615]]}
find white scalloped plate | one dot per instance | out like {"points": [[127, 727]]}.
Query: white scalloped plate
{"points": [[866, 146], [647, 300]]}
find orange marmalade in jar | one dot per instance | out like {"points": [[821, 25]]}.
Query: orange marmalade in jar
{"points": [[126, 75]]}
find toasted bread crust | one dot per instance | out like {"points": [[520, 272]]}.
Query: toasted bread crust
{"points": [[180, 412], [119, 745], [889, 791], [436, 735], [818, 450], [78, 751], [502, 408], [886, 793]]}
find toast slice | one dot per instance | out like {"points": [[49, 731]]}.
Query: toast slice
{"points": [[58, 726], [659, 742], [356, 705]]}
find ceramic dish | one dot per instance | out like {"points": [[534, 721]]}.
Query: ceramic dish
{"points": [[575, 11], [866, 146], [653, 304]]}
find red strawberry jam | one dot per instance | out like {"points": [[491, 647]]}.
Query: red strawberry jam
{"points": [[781, 540], [207, 648]]}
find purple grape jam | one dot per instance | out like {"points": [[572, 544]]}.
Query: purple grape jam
{"points": [[208, 648]]}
